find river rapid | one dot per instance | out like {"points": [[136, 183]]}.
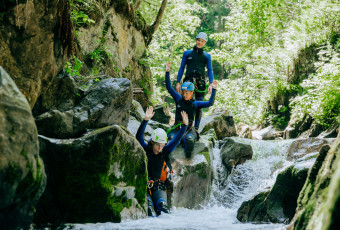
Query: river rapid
{"points": [[258, 174]]}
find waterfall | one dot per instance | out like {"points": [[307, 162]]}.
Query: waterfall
{"points": [[248, 179]]}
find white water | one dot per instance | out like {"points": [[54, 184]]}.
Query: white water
{"points": [[244, 182]]}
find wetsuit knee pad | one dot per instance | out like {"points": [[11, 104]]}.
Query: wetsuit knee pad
{"points": [[190, 140]]}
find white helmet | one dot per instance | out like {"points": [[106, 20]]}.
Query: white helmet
{"points": [[159, 135]]}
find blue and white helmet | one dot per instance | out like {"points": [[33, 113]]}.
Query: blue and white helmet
{"points": [[187, 86], [203, 36]]}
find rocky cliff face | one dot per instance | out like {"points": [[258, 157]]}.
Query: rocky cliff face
{"points": [[37, 36], [30, 49], [318, 202]]}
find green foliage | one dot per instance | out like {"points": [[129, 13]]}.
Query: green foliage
{"points": [[74, 67], [78, 16]]}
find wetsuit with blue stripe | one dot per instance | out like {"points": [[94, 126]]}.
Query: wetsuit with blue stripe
{"points": [[155, 166], [195, 61], [192, 106]]}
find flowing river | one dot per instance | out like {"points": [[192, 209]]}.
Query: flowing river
{"points": [[245, 181]]}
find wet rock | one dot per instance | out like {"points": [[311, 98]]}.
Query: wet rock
{"points": [[268, 133], [297, 126], [93, 178], [318, 202], [137, 111], [301, 147], [103, 103], [162, 114], [277, 205], [244, 131], [194, 176], [313, 131], [62, 95], [30, 48], [234, 153], [22, 173], [56, 124], [222, 122], [331, 132]]}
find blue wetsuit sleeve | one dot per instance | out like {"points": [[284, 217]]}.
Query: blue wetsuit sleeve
{"points": [[182, 67], [205, 104], [176, 96], [174, 142], [210, 69], [140, 133]]}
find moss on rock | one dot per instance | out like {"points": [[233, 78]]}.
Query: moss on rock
{"points": [[83, 172]]}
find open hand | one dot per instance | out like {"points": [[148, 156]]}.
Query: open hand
{"points": [[210, 88], [214, 84], [178, 87], [167, 69], [185, 118], [149, 113]]}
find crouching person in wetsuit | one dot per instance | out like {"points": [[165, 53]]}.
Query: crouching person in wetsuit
{"points": [[186, 103], [157, 152]]}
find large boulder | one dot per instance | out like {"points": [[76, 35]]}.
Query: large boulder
{"points": [[301, 147], [222, 122], [22, 173], [319, 200], [297, 126], [194, 176], [100, 177], [268, 133], [278, 205], [103, 103], [244, 131], [234, 153], [162, 114]]}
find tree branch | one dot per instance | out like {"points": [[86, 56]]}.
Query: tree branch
{"points": [[137, 4], [152, 29]]}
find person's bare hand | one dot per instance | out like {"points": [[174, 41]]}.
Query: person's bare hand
{"points": [[167, 69], [210, 88], [185, 118], [214, 84], [178, 87], [149, 113]]}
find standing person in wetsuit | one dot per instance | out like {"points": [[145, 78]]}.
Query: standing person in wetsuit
{"points": [[195, 61], [157, 152], [186, 103]]}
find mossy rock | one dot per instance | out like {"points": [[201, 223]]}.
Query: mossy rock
{"points": [[85, 174], [318, 202]]}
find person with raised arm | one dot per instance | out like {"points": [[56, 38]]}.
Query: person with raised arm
{"points": [[157, 151], [186, 103]]}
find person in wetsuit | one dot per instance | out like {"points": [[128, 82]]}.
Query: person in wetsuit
{"points": [[157, 152], [186, 103], [195, 61]]}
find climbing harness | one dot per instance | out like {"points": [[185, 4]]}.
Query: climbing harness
{"points": [[196, 87], [167, 132]]}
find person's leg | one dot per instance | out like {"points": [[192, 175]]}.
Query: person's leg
{"points": [[199, 96], [169, 190], [151, 210], [189, 142]]}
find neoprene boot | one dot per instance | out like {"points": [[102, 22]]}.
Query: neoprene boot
{"points": [[151, 210], [164, 207]]}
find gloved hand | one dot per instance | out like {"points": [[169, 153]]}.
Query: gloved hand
{"points": [[170, 174]]}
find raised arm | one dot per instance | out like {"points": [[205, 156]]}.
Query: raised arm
{"points": [[205, 104], [175, 141], [140, 133], [176, 96]]}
